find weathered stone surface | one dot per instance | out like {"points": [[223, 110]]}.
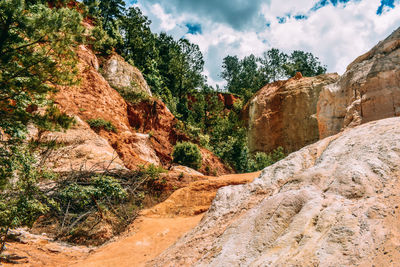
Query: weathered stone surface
{"points": [[369, 90], [283, 113], [78, 149], [121, 74], [333, 203]]}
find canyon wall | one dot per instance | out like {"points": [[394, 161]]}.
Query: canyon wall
{"points": [[302, 110], [368, 90], [283, 113]]}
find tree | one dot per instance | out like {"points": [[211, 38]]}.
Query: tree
{"points": [[31, 47], [139, 42], [186, 67], [273, 65], [243, 76], [36, 54], [231, 70], [111, 10], [109, 14], [304, 62], [108, 10], [187, 154]]}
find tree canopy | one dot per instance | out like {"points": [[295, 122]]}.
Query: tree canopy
{"points": [[31, 47], [245, 77]]}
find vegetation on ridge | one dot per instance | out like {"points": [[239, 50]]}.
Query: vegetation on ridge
{"points": [[100, 123]]}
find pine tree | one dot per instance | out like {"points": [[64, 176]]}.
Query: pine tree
{"points": [[36, 54]]}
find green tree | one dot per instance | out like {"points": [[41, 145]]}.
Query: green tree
{"points": [[139, 42], [273, 65], [31, 47], [243, 77], [36, 54], [231, 70], [186, 67], [109, 14], [108, 10], [166, 47], [304, 62]]}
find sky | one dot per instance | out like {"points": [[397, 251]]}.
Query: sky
{"points": [[336, 31]]}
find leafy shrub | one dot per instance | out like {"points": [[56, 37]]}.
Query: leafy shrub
{"points": [[151, 176], [98, 124], [83, 200], [109, 187], [77, 196], [187, 154], [204, 140], [261, 160], [21, 201], [80, 197], [133, 96]]}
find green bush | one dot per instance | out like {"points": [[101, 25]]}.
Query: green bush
{"points": [[132, 95], [98, 124], [81, 196], [261, 160], [187, 154]]}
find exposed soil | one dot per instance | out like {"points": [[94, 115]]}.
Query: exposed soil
{"points": [[153, 232]]}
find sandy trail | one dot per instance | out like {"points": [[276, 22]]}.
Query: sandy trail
{"points": [[151, 237], [153, 232]]}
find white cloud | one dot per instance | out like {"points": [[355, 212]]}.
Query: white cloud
{"points": [[221, 40], [337, 35], [167, 21]]}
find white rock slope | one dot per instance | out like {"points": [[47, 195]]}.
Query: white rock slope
{"points": [[333, 203]]}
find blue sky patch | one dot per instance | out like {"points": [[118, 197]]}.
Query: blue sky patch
{"points": [[300, 17], [322, 3], [194, 28], [385, 5]]}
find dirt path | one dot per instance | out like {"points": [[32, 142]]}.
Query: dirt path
{"points": [[151, 237], [153, 232]]}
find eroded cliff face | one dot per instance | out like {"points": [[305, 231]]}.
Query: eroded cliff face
{"points": [[369, 90], [283, 113], [333, 203], [145, 132]]}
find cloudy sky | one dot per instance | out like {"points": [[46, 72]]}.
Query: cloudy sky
{"points": [[336, 31]]}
